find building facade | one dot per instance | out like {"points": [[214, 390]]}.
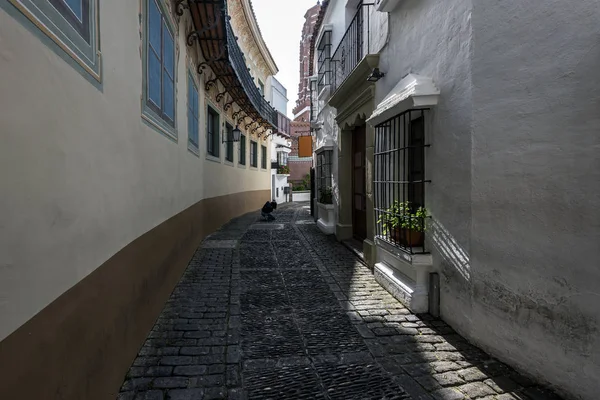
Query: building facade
{"points": [[281, 147], [120, 118], [300, 166], [459, 164], [279, 96]]}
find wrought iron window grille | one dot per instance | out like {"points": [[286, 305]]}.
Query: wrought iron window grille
{"points": [[399, 181], [325, 177], [324, 61]]}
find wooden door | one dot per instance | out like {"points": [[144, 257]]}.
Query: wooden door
{"points": [[359, 195]]}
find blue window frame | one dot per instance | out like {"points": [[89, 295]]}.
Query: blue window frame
{"points": [[72, 25], [159, 68], [192, 114]]}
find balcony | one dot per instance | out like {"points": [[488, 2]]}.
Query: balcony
{"points": [[218, 44], [283, 125], [353, 47]]}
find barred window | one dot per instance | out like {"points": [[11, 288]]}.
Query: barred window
{"points": [[324, 60], [324, 177], [400, 181]]}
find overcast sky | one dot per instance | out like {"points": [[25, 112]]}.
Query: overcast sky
{"points": [[281, 24]]}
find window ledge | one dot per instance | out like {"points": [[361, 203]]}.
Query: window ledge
{"points": [[159, 125], [253, 168], [212, 158], [413, 91], [194, 150], [242, 166], [229, 163], [325, 206]]}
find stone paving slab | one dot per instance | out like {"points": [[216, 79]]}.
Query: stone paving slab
{"points": [[285, 312]]}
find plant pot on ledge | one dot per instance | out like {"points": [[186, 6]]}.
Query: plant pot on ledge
{"points": [[403, 224], [406, 237]]}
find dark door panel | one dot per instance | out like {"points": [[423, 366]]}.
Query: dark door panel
{"points": [[359, 195]]}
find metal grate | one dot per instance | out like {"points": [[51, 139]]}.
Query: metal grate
{"points": [[324, 176], [399, 170], [324, 61]]}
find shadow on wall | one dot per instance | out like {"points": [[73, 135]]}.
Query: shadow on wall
{"points": [[450, 250]]}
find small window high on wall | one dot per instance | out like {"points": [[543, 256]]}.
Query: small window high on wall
{"points": [[253, 154], [72, 25], [212, 131], [159, 68], [400, 181], [192, 115]]}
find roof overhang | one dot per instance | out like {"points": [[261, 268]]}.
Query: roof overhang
{"points": [[413, 91]]}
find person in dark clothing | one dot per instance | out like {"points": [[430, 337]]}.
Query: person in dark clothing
{"points": [[268, 209]]}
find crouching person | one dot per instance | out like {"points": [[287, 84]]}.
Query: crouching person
{"points": [[267, 210]]}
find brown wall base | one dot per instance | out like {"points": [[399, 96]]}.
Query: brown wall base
{"points": [[81, 345]]}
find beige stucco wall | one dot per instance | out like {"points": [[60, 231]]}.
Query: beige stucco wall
{"points": [[81, 174]]}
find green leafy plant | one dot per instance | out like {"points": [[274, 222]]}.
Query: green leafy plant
{"points": [[401, 216], [303, 185], [283, 170], [326, 196]]}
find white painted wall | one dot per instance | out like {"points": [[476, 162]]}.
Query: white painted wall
{"points": [[278, 181], [81, 174], [278, 96], [536, 188], [513, 154], [301, 196]]}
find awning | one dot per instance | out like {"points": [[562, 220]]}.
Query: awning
{"points": [[412, 92]]}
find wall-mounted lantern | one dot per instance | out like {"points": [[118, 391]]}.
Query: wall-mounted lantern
{"points": [[375, 75], [235, 135]]}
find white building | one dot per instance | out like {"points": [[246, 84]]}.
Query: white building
{"points": [[117, 160], [281, 147], [278, 96], [487, 114]]}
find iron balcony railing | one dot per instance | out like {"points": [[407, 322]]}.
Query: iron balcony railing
{"points": [[236, 58], [354, 46]]}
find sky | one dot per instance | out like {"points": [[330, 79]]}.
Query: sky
{"points": [[281, 24]]}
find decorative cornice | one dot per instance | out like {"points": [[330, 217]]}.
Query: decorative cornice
{"points": [[257, 35]]}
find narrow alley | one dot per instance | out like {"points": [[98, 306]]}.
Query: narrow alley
{"points": [[280, 311]]}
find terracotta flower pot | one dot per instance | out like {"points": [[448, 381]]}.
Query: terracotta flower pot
{"points": [[406, 237]]}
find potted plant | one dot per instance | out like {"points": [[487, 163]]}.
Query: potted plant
{"points": [[403, 225], [326, 196], [283, 170]]}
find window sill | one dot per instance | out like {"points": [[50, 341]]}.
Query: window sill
{"points": [[194, 150], [229, 163], [242, 166], [159, 125], [253, 168], [212, 158]]}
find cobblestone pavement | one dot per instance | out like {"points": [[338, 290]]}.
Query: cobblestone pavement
{"points": [[279, 311]]}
